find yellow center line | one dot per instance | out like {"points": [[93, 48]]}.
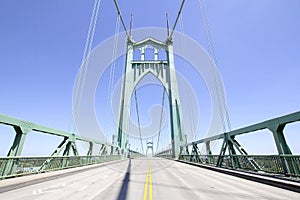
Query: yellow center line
{"points": [[146, 187], [148, 183]]}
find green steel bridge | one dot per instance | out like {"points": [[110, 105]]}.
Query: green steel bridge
{"points": [[112, 174], [183, 170]]}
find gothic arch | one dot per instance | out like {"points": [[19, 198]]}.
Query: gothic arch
{"points": [[164, 71]]}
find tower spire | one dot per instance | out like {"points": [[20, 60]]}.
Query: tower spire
{"points": [[130, 31], [168, 29]]}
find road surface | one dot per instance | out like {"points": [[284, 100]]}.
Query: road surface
{"points": [[146, 179]]}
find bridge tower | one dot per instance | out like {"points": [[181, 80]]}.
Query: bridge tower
{"points": [[164, 71], [150, 146]]}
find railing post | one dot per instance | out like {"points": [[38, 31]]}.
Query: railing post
{"points": [[70, 145], [66, 158], [222, 151], [208, 152], [15, 150], [289, 166], [180, 153], [89, 153], [234, 159], [111, 150], [195, 153]]}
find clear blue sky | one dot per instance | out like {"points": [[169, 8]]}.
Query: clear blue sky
{"points": [[257, 44]]}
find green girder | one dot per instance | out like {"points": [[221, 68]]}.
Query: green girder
{"points": [[68, 144], [276, 126]]}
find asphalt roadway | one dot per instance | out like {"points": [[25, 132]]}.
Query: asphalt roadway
{"points": [[142, 179]]}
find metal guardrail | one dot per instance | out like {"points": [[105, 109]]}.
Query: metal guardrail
{"points": [[61, 156], [165, 154], [135, 154], [267, 163], [233, 155], [33, 165], [275, 125]]}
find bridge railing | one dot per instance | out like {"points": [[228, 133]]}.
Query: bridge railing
{"points": [[267, 163], [61, 154], [233, 155], [165, 154], [31, 165], [135, 154]]}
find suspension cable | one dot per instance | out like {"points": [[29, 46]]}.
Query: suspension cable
{"points": [[191, 111], [119, 13], [138, 118], [211, 50], [112, 73], [160, 120], [87, 49], [79, 85], [79, 80], [179, 12]]}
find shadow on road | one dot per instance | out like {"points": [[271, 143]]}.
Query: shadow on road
{"points": [[124, 189]]}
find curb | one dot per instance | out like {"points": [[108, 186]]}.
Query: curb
{"points": [[272, 181], [47, 176]]}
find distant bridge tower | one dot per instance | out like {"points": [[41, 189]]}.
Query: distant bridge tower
{"points": [[164, 71], [149, 146]]}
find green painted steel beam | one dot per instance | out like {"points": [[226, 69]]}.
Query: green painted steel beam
{"points": [[286, 119], [208, 139], [276, 126], [289, 166], [22, 128], [27, 126], [15, 150]]}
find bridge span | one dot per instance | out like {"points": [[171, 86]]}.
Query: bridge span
{"points": [[141, 178]]}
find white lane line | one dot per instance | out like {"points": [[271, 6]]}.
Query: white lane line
{"points": [[83, 188], [182, 171]]}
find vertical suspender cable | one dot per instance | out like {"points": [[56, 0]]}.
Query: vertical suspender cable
{"points": [[79, 85], [138, 118], [85, 59], [112, 74], [191, 111], [211, 50], [88, 51], [160, 120]]}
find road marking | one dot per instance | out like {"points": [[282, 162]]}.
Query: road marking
{"points": [[148, 183], [52, 188], [83, 188], [146, 187]]}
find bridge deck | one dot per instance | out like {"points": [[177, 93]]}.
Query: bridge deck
{"points": [[144, 178]]}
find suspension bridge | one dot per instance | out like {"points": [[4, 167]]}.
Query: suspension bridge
{"points": [[138, 163]]}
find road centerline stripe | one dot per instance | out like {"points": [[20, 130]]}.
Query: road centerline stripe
{"points": [[146, 187], [148, 183]]}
